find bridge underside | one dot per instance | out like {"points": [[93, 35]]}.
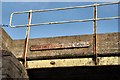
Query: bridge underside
{"points": [[76, 73]]}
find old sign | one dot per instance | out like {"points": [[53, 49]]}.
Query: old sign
{"points": [[59, 46]]}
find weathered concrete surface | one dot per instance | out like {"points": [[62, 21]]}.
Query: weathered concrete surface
{"points": [[72, 62], [6, 41], [107, 50], [0, 38], [107, 44], [11, 67]]}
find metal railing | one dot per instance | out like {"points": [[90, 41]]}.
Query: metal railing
{"points": [[62, 22], [95, 19]]}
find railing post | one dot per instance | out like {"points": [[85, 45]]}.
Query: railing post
{"points": [[94, 35], [27, 39]]}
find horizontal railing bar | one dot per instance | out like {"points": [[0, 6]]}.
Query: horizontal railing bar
{"points": [[63, 22], [66, 8]]}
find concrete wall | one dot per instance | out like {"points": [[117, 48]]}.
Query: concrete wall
{"points": [[10, 67], [107, 50], [106, 44], [6, 41]]}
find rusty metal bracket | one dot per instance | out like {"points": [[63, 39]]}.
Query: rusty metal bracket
{"points": [[27, 39]]}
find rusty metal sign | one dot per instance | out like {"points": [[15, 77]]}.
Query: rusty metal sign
{"points": [[59, 46]]}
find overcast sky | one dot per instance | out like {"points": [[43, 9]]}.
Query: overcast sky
{"points": [[58, 29]]}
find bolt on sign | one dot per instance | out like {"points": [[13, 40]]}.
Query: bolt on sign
{"points": [[59, 46]]}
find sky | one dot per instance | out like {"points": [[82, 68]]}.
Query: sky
{"points": [[69, 29], [60, 0]]}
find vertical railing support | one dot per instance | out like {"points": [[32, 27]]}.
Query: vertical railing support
{"points": [[27, 39], [94, 35]]}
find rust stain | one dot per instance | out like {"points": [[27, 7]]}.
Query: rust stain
{"points": [[59, 46]]}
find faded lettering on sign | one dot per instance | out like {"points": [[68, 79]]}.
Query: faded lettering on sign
{"points": [[59, 46]]}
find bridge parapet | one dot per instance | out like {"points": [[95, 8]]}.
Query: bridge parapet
{"points": [[107, 44], [107, 50]]}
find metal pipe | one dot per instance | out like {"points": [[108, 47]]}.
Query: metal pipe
{"points": [[27, 39], [11, 16], [94, 35], [66, 8], [63, 22], [56, 9]]}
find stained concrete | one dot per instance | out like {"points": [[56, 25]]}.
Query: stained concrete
{"points": [[107, 49]]}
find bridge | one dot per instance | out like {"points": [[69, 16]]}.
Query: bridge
{"points": [[47, 63], [94, 56]]}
